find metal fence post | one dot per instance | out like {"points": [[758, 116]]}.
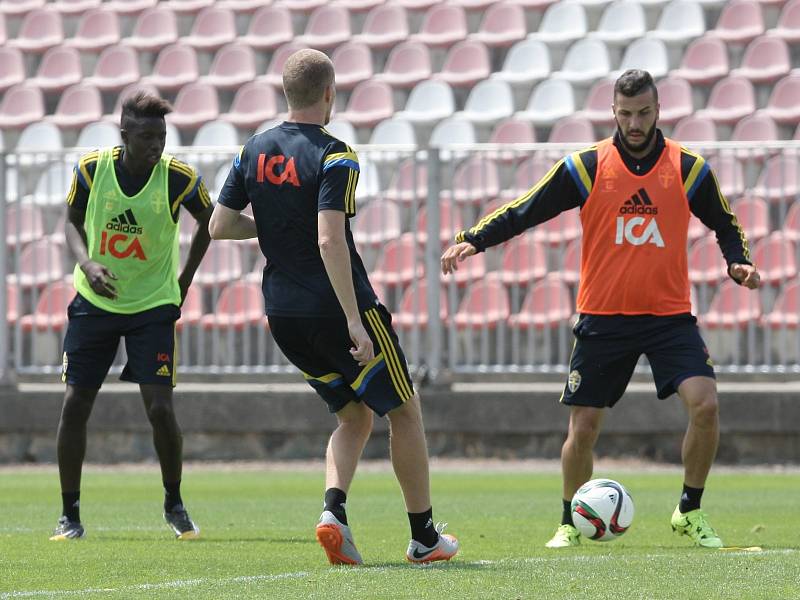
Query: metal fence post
{"points": [[432, 258], [5, 374]]}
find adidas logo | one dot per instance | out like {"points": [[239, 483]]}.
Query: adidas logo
{"points": [[124, 222], [163, 371], [638, 204]]}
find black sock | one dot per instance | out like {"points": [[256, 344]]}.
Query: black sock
{"points": [[690, 498], [566, 513], [71, 506], [172, 495], [422, 528], [335, 500]]}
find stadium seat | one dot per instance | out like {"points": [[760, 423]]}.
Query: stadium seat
{"points": [[3, 30], [680, 22], [270, 27], [305, 7], [675, 98], [117, 67], [196, 103], [740, 22], [399, 263], [788, 26], [385, 26], [192, 307], [234, 65], [465, 64], [586, 61], [343, 131], [695, 129], [526, 63], [408, 64], [572, 129], [551, 100], [175, 67], [216, 133], [706, 263], [129, 7], [548, 304], [468, 271], [783, 104], [559, 230], [570, 269], [597, 107], [429, 102], [776, 259], [21, 105], [213, 28], [39, 263], [358, 6], [221, 264], [785, 312], [393, 131], [254, 103], [450, 222], [416, 5], [42, 136], [704, 62], [40, 30], [443, 25], [274, 74], [620, 24], [409, 182], [51, 309], [730, 175], [779, 180], [524, 260], [502, 25], [413, 310], [12, 68], [766, 59], [453, 130], [155, 29], [474, 180], [753, 215], [369, 185], [562, 24], [191, 8], [74, 7], [78, 106], [509, 133], [97, 29], [791, 225], [240, 305], [527, 174], [60, 68], [327, 27], [52, 185], [697, 229], [100, 134], [732, 307], [484, 306], [12, 304], [732, 98], [370, 103], [18, 8], [377, 223], [649, 54], [757, 127], [488, 103], [126, 93], [24, 224], [352, 62]]}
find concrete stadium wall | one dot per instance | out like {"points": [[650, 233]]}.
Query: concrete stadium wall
{"points": [[251, 421]]}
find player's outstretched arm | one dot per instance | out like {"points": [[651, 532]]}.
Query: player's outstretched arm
{"points": [[456, 254], [229, 224], [747, 275]]}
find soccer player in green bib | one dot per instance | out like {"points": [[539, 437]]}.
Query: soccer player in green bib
{"points": [[122, 228]]}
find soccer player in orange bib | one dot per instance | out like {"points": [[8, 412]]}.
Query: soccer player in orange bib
{"points": [[636, 192]]}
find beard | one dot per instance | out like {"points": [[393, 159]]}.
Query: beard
{"points": [[648, 137]]}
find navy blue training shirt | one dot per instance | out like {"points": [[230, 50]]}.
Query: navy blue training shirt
{"points": [[289, 174]]}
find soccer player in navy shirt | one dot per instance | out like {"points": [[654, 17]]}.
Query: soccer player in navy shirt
{"points": [[322, 311]]}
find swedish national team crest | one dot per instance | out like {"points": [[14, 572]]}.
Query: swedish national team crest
{"points": [[666, 175], [574, 381]]}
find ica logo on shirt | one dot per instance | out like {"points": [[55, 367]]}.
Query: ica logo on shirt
{"points": [[277, 169], [638, 230]]}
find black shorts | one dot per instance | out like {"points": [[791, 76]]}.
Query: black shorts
{"points": [[607, 349], [93, 336], [320, 348]]}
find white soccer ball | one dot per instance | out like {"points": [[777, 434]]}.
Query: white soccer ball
{"points": [[602, 510]]}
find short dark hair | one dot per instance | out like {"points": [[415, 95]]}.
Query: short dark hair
{"points": [[634, 82], [143, 105]]}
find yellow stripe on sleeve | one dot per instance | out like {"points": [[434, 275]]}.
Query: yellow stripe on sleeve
{"points": [[697, 168], [396, 370], [183, 194], [582, 172], [83, 165], [73, 189]]}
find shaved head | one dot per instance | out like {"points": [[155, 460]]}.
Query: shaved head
{"points": [[306, 75]]}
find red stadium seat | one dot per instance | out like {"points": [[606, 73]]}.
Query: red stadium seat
{"points": [[791, 225], [155, 29], [74, 7], [788, 26], [408, 184], [274, 74], [524, 260], [269, 27], [508, 133], [786, 310], [40, 263], [695, 129], [370, 102], [766, 59], [12, 304], [485, 306], [730, 174], [117, 67], [253, 104], [784, 101], [129, 7], [733, 307], [78, 106], [377, 223], [570, 271], [352, 62], [189, 7], [305, 6], [175, 67], [408, 64], [221, 264], [97, 29], [20, 7], [385, 26], [758, 127], [574, 129], [59, 69], [779, 179], [212, 29], [466, 64], [24, 224], [358, 6], [399, 263], [776, 259], [12, 68], [502, 25], [471, 270], [475, 180], [413, 311], [192, 307], [450, 223], [51, 309], [598, 103], [40, 29], [548, 304], [740, 22], [234, 65], [732, 98], [327, 27], [528, 173], [675, 98], [196, 104], [706, 263], [240, 305], [753, 215], [559, 230], [443, 25], [704, 62]]}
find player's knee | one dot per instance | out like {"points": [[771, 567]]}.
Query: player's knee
{"points": [[584, 428], [77, 406], [160, 413], [705, 408], [409, 411]]}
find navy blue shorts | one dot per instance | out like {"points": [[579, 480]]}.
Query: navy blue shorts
{"points": [[607, 348], [320, 348], [92, 339]]}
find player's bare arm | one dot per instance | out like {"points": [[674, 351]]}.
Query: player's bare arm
{"points": [[336, 256], [747, 275], [228, 224], [455, 254], [197, 250], [99, 276]]}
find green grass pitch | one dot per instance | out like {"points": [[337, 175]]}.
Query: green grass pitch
{"points": [[258, 539]]}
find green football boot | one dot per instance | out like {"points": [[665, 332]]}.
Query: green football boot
{"points": [[695, 525], [565, 536]]}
